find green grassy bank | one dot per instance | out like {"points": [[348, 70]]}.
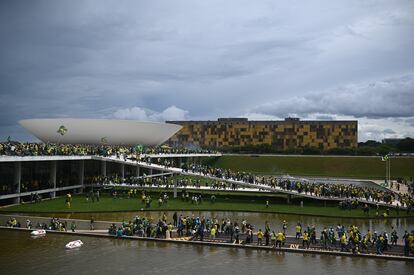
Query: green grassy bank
{"points": [[326, 166], [224, 202]]}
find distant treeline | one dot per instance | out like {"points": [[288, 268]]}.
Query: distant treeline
{"points": [[368, 148]]}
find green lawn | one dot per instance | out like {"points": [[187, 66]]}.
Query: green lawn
{"points": [[251, 204], [349, 167]]}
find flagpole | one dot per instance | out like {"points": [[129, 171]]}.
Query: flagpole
{"points": [[386, 172], [385, 158]]}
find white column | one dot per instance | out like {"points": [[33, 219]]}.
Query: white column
{"points": [[17, 179], [137, 171]]}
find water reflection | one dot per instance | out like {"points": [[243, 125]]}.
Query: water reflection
{"points": [[20, 254]]}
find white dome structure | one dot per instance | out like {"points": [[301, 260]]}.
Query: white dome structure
{"points": [[100, 131]]}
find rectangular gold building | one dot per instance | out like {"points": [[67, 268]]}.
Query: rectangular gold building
{"points": [[288, 134]]}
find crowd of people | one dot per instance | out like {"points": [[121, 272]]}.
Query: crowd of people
{"points": [[143, 227], [350, 192], [164, 197], [163, 181], [13, 148], [55, 224], [314, 188], [159, 150], [347, 239]]}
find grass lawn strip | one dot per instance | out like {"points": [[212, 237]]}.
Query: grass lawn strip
{"points": [[327, 166], [108, 204]]}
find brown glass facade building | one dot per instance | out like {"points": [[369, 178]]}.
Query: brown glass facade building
{"points": [[287, 134]]}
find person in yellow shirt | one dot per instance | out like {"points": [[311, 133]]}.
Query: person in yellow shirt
{"points": [[273, 239], [305, 239], [298, 230], [213, 233], [344, 242], [411, 241], [67, 202], [279, 239], [168, 233], [259, 237], [369, 236], [364, 243]]}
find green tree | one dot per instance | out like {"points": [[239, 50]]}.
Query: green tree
{"points": [[406, 145]]}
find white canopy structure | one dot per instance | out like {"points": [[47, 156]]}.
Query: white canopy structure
{"points": [[100, 131]]}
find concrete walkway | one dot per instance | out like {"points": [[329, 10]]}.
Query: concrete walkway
{"points": [[256, 186]]}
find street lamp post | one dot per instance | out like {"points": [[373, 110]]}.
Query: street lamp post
{"points": [[387, 169]]}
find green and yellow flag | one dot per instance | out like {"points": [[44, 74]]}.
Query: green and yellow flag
{"points": [[62, 130], [139, 148]]}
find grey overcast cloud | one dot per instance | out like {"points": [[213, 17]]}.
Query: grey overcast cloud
{"points": [[175, 60]]}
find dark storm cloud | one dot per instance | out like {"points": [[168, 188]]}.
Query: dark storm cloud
{"points": [[387, 98], [160, 60]]}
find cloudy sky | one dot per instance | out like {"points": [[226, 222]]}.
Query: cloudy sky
{"points": [[172, 60]]}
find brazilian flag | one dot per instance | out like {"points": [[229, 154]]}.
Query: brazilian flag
{"points": [[62, 130], [104, 140]]}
